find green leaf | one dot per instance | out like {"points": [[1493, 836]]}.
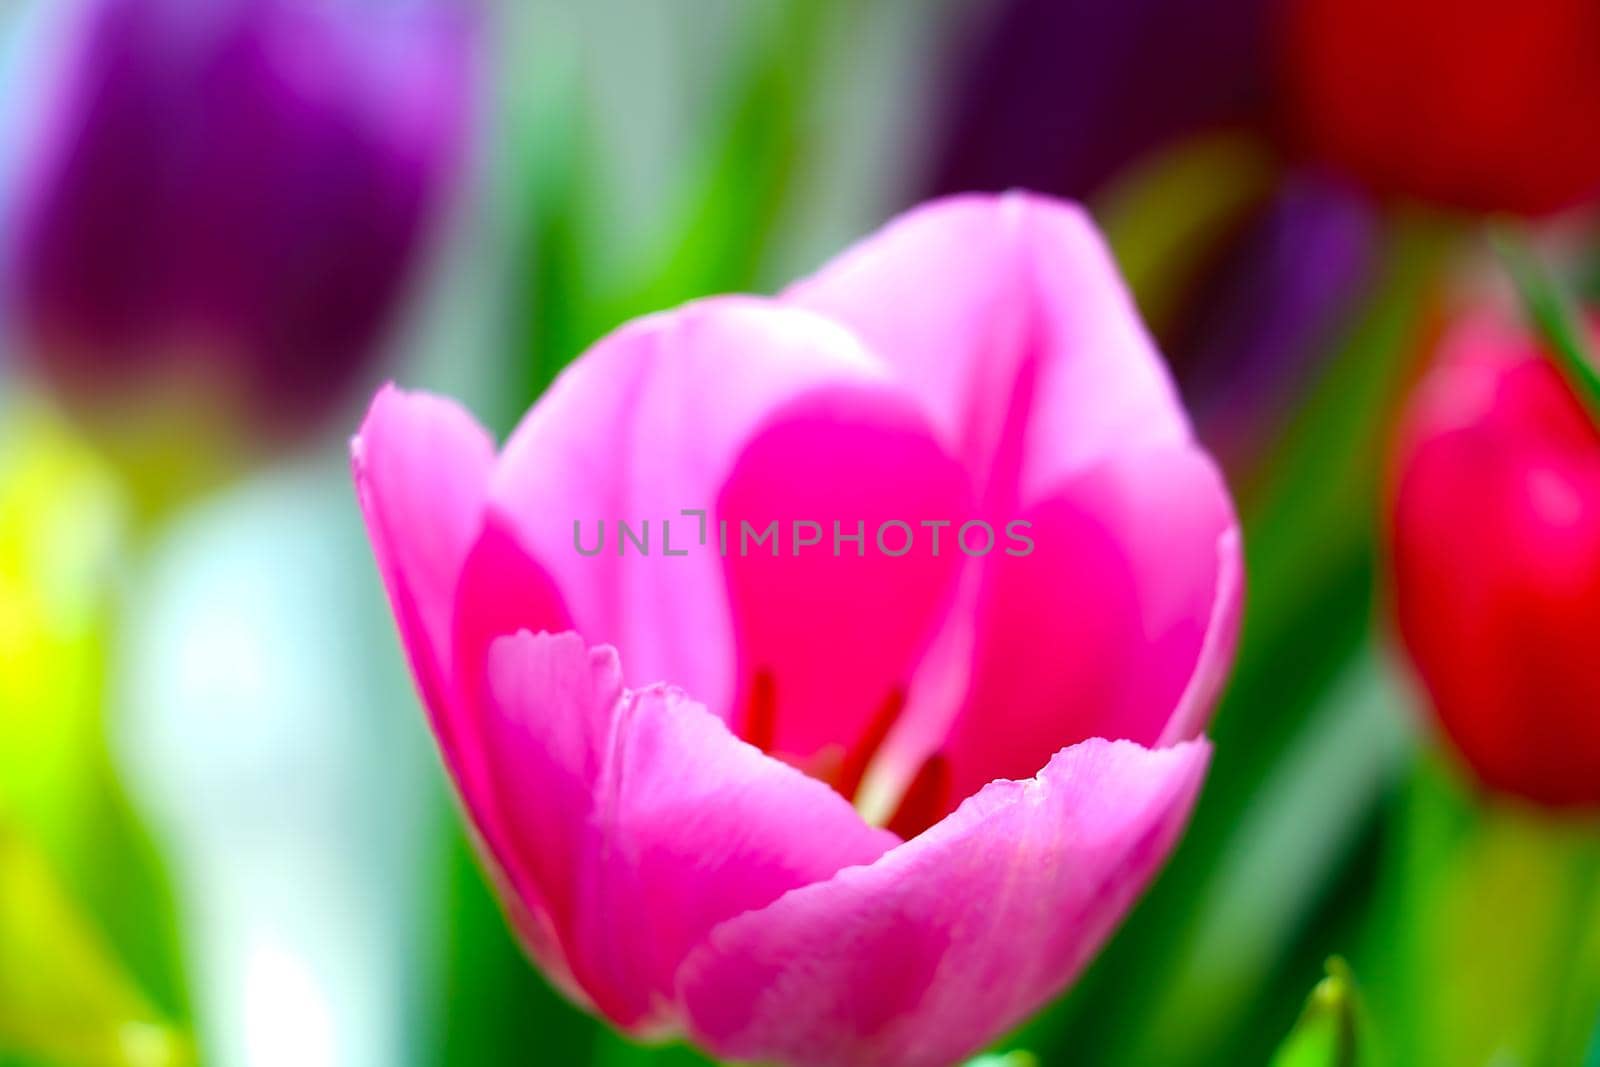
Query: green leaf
{"points": [[1488, 947], [1552, 314], [1005, 1059], [552, 170], [497, 1006], [614, 1050], [1327, 1033], [62, 994], [749, 170], [1286, 850]]}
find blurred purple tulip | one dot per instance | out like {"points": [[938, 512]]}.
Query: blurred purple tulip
{"points": [[232, 194], [1257, 323], [1058, 95]]}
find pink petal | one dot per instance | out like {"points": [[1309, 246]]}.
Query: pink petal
{"points": [[954, 937], [641, 822], [501, 591], [1123, 616], [421, 467], [1008, 318], [1215, 664], [648, 423], [828, 636]]}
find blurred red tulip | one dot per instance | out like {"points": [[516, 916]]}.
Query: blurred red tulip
{"points": [[1496, 529], [1480, 104]]}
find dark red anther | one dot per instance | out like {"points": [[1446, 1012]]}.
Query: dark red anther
{"points": [[860, 755], [841, 768], [925, 799], [761, 715]]}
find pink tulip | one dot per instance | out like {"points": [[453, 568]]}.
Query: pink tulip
{"points": [[818, 808]]}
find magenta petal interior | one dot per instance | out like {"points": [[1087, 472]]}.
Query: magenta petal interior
{"points": [[828, 634], [1099, 631]]}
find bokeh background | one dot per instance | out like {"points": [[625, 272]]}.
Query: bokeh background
{"points": [[225, 837]]}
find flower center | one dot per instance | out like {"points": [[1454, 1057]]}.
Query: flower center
{"points": [[843, 767]]}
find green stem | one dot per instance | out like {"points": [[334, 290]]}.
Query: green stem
{"points": [[1570, 1019]]}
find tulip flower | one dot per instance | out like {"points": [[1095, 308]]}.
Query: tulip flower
{"points": [[1477, 104], [1255, 328], [1496, 528], [220, 203], [1060, 95], [842, 797]]}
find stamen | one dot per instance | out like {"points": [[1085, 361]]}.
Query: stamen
{"points": [[841, 769], [866, 747], [761, 716], [925, 798]]}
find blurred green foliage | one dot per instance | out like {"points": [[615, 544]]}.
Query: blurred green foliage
{"points": [[739, 183], [63, 997], [1550, 311], [498, 1009], [71, 846], [1328, 1033], [1486, 945]]}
